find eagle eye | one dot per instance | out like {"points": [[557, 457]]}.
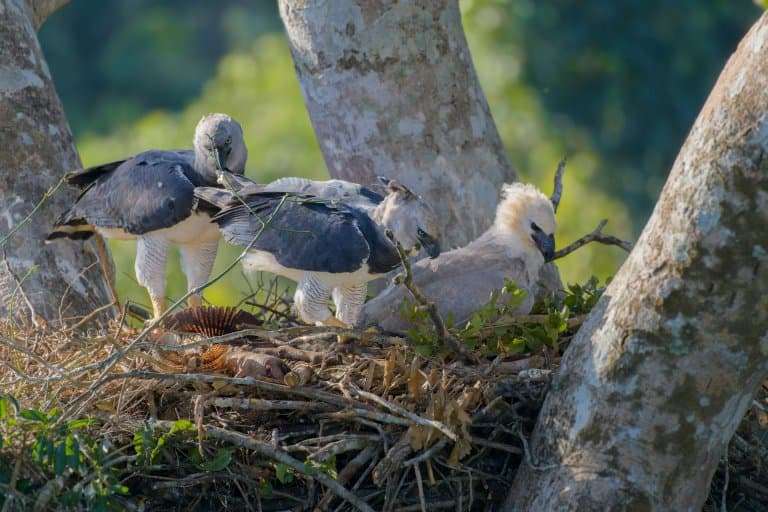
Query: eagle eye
{"points": [[535, 227]]}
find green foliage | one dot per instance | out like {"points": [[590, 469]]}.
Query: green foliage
{"points": [[58, 450], [582, 298], [149, 442], [496, 328]]}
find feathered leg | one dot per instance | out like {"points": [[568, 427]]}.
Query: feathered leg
{"points": [[311, 299], [151, 254], [349, 302], [197, 262]]}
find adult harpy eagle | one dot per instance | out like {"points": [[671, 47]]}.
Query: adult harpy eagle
{"points": [[150, 197], [515, 247], [330, 248]]}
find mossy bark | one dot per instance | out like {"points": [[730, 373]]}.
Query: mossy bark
{"points": [[391, 90], [37, 149], [657, 380]]}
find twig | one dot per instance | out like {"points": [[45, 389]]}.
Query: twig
{"points": [[36, 319], [427, 454], [595, 236], [48, 194], [420, 485], [304, 392], [557, 194], [90, 316], [257, 404], [450, 434], [350, 470], [495, 445], [443, 336], [267, 450]]}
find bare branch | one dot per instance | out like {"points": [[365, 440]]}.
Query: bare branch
{"points": [[595, 236], [42, 9], [557, 193]]}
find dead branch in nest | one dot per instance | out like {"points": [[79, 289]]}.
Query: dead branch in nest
{"points": [[278, 455], [595, 236], [304, 392], [415, 418], [557, 193], [406, 279], [258, 404], [352, 468]]}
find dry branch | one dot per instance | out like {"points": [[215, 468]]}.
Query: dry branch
{"points": [[557, 193], [595, 236]]}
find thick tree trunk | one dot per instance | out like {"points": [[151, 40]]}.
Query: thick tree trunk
{"points": [[37, 149], [655, 383], [391, 90]]}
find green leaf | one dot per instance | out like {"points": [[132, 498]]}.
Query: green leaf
{"points": [[220, 461], [265, 488], [80, 424], [424, 349], [33, 415], [60, 459], [283, 473]]}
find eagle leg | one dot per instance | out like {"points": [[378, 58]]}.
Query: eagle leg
{"points": [[197, 262], [151, 253], [349, 302]]}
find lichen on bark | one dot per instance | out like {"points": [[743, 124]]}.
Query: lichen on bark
{"points": [[657, 380], [37, 150], [391, 90]]}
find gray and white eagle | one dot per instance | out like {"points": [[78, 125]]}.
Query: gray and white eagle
{"points": [[330, 247], [515, 247], [150, 198]]}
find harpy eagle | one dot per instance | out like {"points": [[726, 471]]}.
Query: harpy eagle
{"points": [[329, 247], [515, 247], [150, 198]]}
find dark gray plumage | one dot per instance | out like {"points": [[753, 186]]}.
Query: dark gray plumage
{"points": [[150, 198], [305, 233], [150, 191]]}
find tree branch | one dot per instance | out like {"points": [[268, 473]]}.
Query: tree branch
{"points": [[42, 9], [595, 236], [557, 193]]}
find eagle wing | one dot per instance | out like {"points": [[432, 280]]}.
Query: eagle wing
{"points": [[150, 191], [302, 232]]}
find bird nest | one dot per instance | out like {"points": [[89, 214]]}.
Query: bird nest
{"points": [[214, 409]]}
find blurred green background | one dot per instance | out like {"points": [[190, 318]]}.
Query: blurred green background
{"points": [[615, 86]]}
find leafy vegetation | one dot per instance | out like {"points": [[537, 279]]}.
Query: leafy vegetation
{"points": [[71, 464], [496, 328]]}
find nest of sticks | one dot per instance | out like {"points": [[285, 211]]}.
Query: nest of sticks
{"points": [[324, 420], [344, 421]]}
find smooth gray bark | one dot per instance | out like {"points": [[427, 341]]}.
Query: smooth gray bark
{"points": [[657, 380], [391, 90], [37, 149]]}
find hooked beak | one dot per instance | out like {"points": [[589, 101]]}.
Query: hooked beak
{"points": [[545, 244], [431, 245]]}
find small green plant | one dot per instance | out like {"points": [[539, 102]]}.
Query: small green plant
{"points": [[63, 452], [496, 328]]}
